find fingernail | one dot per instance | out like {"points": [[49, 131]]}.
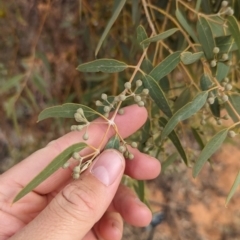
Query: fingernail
{"points": [[107, 166]]}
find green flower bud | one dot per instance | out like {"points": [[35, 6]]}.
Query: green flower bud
{"points": [[80, 111], [228, 87], [213, 63], [66, 165], [77, 169], [211, 100], [137, 98], [76, 156], [127, 85], [104, 96], [122, 97], [224, 3], [122, 149], [145, 91], [141, 104], [76, 176], [216, 50], [225, 57], [98, 103], [231, 134], [106, 109], [138, 83], [224, 98], [121, 111], [85, 136], [130, 156], [134, 144], [73, 128]]}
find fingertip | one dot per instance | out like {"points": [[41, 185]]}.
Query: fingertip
{"points": [[110, 226], [143, 166]]}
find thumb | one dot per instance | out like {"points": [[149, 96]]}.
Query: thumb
{"points": [[74, 211]]}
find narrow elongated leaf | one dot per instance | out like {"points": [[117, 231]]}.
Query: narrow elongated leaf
{"points": [[103, 65], [175, 140], [218, 26], [166, 66], [182, 99], [169, 161], [222, 71], [164, 84], [157, 95], [12, 82], [235, 101], [215, 108], [111, 21], [205, 82], [233, 188], [185, 112], [226, 44], [205, 37], [141, 34], [113, 143], [159, 37], [211, 147], [50, 169], [183, 21], [234, 29], [67, 110], [140, 190], [197, 138], [189, 58]]}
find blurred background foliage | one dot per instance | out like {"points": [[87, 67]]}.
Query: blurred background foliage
{"points": [[41, 44]]}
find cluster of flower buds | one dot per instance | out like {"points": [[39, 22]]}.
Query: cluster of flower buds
{"points": [[126, 94], [80, 117], [225, 10], [124, 150], [223, 57]]}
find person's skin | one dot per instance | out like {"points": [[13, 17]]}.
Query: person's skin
{"points": [[89, 208]]}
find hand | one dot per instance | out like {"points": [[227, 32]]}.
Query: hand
{"points": [[89, 208]]}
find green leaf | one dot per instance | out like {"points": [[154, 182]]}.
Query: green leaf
{"points": [[185, 112], [183, 21], [197, 137], [234, 30], [211, 147], [233, 188], [166, 66], [206, 37], [169, 161], [50, 169], [10, 83], [164, 84], [103, 65], [218, 26], [113, 18], [189, 58], [157, 95], [141, 34], [215, 108], [226, 44], [67, 110], [235, 101], [159, 37], [182, 99], [205, 82], [140, 190], [222, 71], [175, 140], [113, 143]]}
